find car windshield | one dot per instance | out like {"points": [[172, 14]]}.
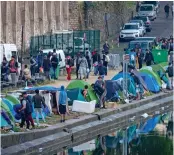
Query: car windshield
{"points": [[127, 27], [146, 8], [142, 45], [150, 2]]}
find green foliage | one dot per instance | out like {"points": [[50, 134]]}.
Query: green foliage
{"points": [[153, 145]]}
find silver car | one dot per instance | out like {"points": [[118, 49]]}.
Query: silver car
{"points": [[148, 10]]}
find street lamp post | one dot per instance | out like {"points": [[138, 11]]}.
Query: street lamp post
{"points": [[22, 41]]}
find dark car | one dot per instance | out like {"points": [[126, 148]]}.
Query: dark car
{"points": [[146, 21]]}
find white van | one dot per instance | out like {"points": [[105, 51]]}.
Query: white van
{"points": [[60, 53], [9, 50]]}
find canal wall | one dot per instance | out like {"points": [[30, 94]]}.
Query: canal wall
{"points": [[86, 128]]}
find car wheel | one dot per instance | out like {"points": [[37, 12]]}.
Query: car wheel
{"points": [[120, 39]]}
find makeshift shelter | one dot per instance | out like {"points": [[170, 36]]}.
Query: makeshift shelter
{"points": [[10, 105], [81, 84], [112, 88], [131, 132], [74, 94], [141, 79], [131, 84], [45, 88], [164, 65], [152, 73], [151, 82]]}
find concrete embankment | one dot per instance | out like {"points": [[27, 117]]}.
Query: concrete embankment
{"points": [[88, 127]]}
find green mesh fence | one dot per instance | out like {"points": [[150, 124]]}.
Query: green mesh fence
{"points": [[70, 42]]}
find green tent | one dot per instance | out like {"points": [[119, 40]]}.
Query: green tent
{"points": [[160, 55], [74, 94], [153, 74], [164, 65], [12, 99], [6, 109], [81, 84], [157, 68]]}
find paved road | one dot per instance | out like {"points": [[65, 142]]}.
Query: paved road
{"points": [[162, 27]]}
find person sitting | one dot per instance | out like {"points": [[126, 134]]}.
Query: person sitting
{"points": [[85, 92]]}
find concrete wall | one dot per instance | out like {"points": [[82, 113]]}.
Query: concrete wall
{"points": [[40, 17], [37, 17]]}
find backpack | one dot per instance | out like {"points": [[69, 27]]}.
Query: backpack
{"points": [[29, 107], [107, 59], [170, 71]]}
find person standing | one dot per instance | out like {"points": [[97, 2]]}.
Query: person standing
{"points": [[170, 74], [38, 102], [106, 60], [106, 47], [40, 58], [140, 56], [13, 67], [148, 58], [167, 9], [33, 65], [62, 103], [96, 59], [46, 66], [4, 70], [83, 66], [77, 65], [132, 55], [88, 58], [68, 67], [54, 64]]}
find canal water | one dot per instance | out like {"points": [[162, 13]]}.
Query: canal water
{"points": [[153, 143]]}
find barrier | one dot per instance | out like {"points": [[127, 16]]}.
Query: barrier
{"points": [[114, 62]]}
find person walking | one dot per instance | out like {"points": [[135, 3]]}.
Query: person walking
{"points": [[140, 56], [54, 64], [68, 67], [148, 58], [47, 66], [167, 9], [38, 102], [13, 67], [26, 111], [4, 70], [83, 66], [62, 103]]}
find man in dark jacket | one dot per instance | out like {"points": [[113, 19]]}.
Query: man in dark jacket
{"points": [[167, 9], [33, 65], [54, 63], [170, 74], [140, 56], [40, 58], [148, 58], [106, 47], [89, 63], [38, 101], [77, 65], [46, 67]]}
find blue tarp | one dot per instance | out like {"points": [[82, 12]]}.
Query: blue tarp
{"points": [[151, 82], [46, 88], [150, 125]]}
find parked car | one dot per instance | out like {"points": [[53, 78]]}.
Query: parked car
{"points": [[142, 26], [148, 10], [130, 31], [143, 44], [153, 39], [146, 21], [155, 3]]}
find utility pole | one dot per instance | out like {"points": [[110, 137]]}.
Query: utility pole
{"points": [[22, 42]]}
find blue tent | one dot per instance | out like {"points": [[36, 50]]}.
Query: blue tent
{"points": [[10, 105], [112, 87], [46, 88], [151, 82], [150, 125], [131, 84]]}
